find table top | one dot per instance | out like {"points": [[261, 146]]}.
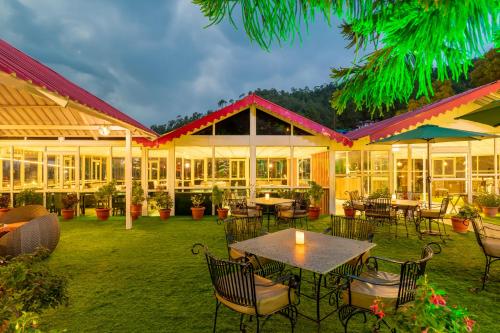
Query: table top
{"points": [[271, 201], [407, 203], [320, 253]]}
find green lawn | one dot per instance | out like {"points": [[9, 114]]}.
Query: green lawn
{"points": [[146, 280]]}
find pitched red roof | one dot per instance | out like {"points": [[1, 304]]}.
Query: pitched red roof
{"points": [[266, 105], [13, 61], [404, 121]]}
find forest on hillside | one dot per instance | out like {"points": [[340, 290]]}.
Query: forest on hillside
{"points": [[314, 103]]}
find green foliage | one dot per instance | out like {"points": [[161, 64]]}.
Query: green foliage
{"points": [[486, 69], [219, 196], [105, 193], [411, 39], [380, 193], [488, 200], [4, 201], [28, 197], [179, 121], [27, 286], [197, 200], [69, 200], [315, 192], [137, 193], [347, 204], [28, 322], [466, 212], [430, 312], [162, 200]]}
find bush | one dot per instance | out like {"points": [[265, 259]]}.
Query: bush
{"points": [[4, 201], [28, 197], [137, 193], [488, 200], [380, 193], [162, 200], [69, 200], [315, 192], [105, 193]]}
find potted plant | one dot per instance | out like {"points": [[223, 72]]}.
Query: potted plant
{"points": [[315, 193], [69, 201], [28, 197], [219, 198], [4, 204], [489, 203], [460, 221], [103, 196], [348, 209], [163, 202], [197, 210], [137, 199]]}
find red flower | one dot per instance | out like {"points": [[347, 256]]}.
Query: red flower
{"points": [[437, 300], [379, 312], [425, 331], [470, 323]]}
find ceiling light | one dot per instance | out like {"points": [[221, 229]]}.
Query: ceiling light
{"points": [[104, 130]]}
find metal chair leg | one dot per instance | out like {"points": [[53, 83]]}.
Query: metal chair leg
{"points": [[217, 304]]}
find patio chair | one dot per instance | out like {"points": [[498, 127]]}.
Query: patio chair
{"points": [[380, 211], [238, 207], [489, 245], [434, 215], [392, 289], [356, 200], [118, 205], [238, 229], [238, 288], [290, 214]]}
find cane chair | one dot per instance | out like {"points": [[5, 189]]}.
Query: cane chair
{"points": [[238, 229], [293, 213], [238, 288], [489, 245], [392, 289], [356, 201], [435, 216], [380, 211]]}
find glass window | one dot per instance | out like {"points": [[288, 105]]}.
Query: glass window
{"points": [[272, 166], [5, 168], [238, 124], [231, 166], [193, 166], [270, 125], [204, 131], [118, 169], [300, 131], [304, 166], [157, 169], [28, 168]]}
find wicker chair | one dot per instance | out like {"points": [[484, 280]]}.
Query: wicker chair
{"points": [[237, 287], [392, 289], [41, 230], [489, 244], [434, 216], [238, 229]]}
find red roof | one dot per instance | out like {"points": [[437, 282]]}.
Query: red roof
{"points": [[13, 61], [266, 105], [404, 121]]}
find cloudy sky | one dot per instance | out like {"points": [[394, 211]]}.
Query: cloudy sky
{"points": [[155, 60]]}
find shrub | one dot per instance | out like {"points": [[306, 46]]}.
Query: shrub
{"points": [[197, 200], [488, 200], [105, 193], [69, 200], [219, 197], [137, 193], [315, 192], [466, 212], [162, 200], [4, 201], [380, 193], [28, 197]]}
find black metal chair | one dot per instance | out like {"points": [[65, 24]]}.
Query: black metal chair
{"points": [[238, 207], [434, 215], [489, 244], [356, 200], [238, 229], [118, 203], [392, 289], [293, 213], [237, 287], [380, 211]]}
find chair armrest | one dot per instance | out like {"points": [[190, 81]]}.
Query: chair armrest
{"points": [[374, 265], [293, 281], [371, 281]]}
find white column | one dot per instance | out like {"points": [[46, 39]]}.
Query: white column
{"points": [[77, 179], [331, 180], [12, 176], [253, 152], [128, 178], [144, 179], [495, 163], [392, 171], [292, 172], [45, 174], [171, 174], [468, 182], [409, 173]]}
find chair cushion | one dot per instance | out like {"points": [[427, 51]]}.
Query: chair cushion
{"points": [[380, 276], [492, 246], [430, 213], [290, 213], [270, 299], [363, 294], [358, 205]]}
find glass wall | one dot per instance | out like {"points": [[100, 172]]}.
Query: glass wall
{"points": [[309, 164], [376, 167], [483, 166], [348, 172], [5, 169], [272, 166], [232, 166], [28, 167], [157, 169], [193, 167]]}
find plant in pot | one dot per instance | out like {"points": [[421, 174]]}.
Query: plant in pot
{"points": [[137, 199], [4, 204], [28, 197], [489, 203], [315, 194], [460, 222], [197, 210], [163, 202], [69, 201], [103, 197], [219, 199], [348, 209]]}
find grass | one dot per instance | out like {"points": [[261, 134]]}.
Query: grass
{"points": [[146, 279]]}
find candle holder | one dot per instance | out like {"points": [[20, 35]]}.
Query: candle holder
{"points": [[266, 196], [299, 237]]}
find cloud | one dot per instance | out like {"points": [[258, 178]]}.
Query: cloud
{"points": [[156, 61]]}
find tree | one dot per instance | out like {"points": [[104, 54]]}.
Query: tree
{"points": [[221, 103], [411, 39], [487, 69]]}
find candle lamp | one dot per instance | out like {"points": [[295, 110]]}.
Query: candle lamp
{"points": [[299, 237], [266, 196]]}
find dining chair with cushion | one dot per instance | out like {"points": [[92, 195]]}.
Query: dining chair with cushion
{"points": [[238, 207], [489, 244], [237, 287], [434, 215], [380, 211], [392, 289], [292, 214], [238, 229]]}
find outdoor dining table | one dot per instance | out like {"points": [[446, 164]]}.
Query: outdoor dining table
{"points": [[268, 203], [320, 254]]}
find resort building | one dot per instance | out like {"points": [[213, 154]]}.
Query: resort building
{"points": [[55, 137]]}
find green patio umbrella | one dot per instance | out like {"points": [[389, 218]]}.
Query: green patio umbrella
{"points": [[432, 134], [488, 114]]}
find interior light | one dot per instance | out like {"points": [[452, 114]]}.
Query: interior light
{"points": [[270, 165], [395, 149], [399, 164], [187, 165], [104, 130]]}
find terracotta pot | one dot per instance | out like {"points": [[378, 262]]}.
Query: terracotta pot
{"points": [[222, 213], [490, 211], [313, 213], [68, 214], [102, 213], [165, 214], [3, 211], [197, 212], [460, 225], [135, 211], [349, 212]]}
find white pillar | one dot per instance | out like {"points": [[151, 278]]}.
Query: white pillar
{"points": [[12, 176], [468, 182], [495, 163], [171, 174], [144, 179], [331, 179], [128, 178], [45, 174], [253, 152], [77, 179]]}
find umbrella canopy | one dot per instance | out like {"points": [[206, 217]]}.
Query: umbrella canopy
{"points": [[432, 134], [488, 114]]}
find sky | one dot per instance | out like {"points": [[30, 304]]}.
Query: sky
{"points": [[155, 60]]}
